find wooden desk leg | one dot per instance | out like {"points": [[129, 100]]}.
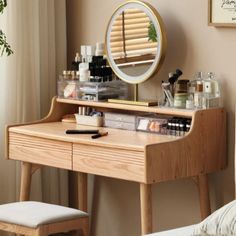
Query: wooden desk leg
{"points": [[146, 208], [83, 191], [26, 171], [204, 198]]}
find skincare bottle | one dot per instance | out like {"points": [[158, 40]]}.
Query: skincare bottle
{"points": [[83, 52], [190, 102], [90, 52], [99, 49], [84, 74], [211, 90], [84, 64], [195, 88], [177, 128], [181, 128], [193, 83], [188, 126], [76, 62], [199, 95], [65, 75]]}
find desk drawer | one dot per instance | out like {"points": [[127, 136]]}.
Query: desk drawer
{"points": [[40, 151], [111, 162]]}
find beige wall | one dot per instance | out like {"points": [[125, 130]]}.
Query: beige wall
{"points": [[192, 46]]}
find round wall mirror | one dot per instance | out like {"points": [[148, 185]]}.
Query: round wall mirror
{"points": [[135, 41]]}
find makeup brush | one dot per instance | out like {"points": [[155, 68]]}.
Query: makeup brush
{"points": [[174, 77], [100, 134]]}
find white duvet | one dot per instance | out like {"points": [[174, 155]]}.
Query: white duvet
{"points": [[184, 231], [220, 223]]}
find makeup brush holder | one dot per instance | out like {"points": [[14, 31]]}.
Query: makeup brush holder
{"points": [[89, 120]]}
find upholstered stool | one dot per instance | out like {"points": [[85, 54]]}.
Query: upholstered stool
{"points": [[41, 219]]}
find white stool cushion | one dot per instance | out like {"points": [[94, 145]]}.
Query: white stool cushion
{"points": [[32, 214]]}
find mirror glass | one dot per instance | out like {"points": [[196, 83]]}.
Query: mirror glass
{"points": [[135, 42]]}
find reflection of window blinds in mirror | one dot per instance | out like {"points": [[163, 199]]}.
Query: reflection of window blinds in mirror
{"points": [[129, 39]]}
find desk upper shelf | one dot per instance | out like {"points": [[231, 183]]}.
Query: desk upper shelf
{"points": [[115, 106]]}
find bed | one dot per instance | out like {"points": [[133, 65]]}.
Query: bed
{"points": [[183, 231], [222, 222]]}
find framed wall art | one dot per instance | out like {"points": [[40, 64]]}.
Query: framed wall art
{"points": [[222, 13]]}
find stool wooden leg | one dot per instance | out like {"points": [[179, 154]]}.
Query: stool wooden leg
{"points": [[83, 191], [26, 169], [146, 208], [86, 228], [204, 198]]}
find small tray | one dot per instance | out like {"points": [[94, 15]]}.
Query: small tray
{"points": [[89, 120]]}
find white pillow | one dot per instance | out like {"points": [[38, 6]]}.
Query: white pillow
{"points": [[220, 223]]}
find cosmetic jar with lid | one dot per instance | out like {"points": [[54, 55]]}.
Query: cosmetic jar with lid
{"points": [[181, 86], [180, 100]]}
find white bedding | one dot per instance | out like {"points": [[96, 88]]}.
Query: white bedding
{"points": [[183, 231]]}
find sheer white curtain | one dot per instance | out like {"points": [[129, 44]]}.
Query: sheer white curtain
{"points": [[36, 30]]}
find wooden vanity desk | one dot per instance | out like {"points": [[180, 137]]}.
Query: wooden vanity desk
{"points": [[129, 155]]}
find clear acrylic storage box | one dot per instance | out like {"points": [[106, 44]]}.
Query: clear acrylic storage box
{"points": [[93, 91], [67, 87], [119, 121], [99, 91], [152, 124]]}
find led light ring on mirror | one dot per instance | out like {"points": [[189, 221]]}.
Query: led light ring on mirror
{"points": [[161, 39]]}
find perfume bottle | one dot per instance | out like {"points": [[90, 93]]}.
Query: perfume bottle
{"points": [[195, 89], [211, 91]]}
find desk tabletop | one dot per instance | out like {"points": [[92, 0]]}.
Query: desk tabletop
{"points": [[116, 138]]}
